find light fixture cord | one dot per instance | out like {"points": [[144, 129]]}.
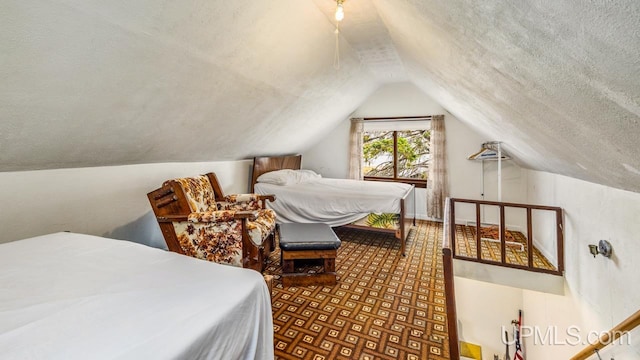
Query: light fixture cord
{"points": [[336, 56]]}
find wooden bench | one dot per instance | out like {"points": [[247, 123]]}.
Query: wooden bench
{"points": [[308, 242]]}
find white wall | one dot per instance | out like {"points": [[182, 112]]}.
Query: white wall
{"points": [[106, 201], [330, 156], [481, 320], [599, 292]]}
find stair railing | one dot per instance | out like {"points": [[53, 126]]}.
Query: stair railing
{"points": [[449, 289], [450, 210], [609, 337]]}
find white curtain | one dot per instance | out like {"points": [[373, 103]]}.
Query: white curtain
{"points": [[437, 184], [355, 158]]}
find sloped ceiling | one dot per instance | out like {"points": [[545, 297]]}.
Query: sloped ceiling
{"points": [[557, 81], [88, 83]]}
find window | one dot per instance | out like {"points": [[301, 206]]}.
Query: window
{"points": [[396, 155]]}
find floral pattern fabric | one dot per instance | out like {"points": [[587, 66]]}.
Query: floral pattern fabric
{"points": [[216, 242], [208, 237], [199, 193], [211, 231], [262, 226], [240, 202], [212, 216]]}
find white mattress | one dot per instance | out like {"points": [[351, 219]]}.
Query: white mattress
{"points": [[71, 296], [333, 201]]}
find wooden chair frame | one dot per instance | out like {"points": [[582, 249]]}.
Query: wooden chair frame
{"points": [[170, 204]]}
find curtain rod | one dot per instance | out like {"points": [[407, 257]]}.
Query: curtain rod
{"points": [[399, 118]]}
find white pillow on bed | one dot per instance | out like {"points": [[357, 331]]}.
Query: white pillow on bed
{"points": [[306, 175], [278, 177], [288, 177]]}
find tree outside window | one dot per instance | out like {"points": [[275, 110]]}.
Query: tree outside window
{"points": [[397, 155]]}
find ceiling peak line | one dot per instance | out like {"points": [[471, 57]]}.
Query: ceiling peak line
{"points": [[339, 16]]}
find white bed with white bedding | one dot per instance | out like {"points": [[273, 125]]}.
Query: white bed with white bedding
{"points": [[303, 196], [72, 296], [335, 202]]}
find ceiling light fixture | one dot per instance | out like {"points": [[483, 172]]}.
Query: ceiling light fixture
{"points": [[339, 10]]}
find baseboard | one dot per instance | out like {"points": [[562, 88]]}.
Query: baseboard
{"points": [[426, 217], [422, 217]]}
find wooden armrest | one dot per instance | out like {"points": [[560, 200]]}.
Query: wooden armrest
{"points": [[270, 197], [251, 215], [171, 218], [238, 215]]}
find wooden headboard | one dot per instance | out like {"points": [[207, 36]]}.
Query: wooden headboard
{"points": [[264, 164]]}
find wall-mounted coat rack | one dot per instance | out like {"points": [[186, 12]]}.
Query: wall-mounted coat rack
{"points": [[491, 150]]}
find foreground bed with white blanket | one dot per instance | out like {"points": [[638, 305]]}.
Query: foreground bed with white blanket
{"points": [[72, 296]]}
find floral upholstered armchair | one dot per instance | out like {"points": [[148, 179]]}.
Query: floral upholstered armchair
{"points": [[196, 219]]}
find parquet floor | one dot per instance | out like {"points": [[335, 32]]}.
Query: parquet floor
{"points": [[466, 246], [385, 306]]}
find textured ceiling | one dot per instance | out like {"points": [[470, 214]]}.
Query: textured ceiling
{"points": [[88, 83], [557, 81]]}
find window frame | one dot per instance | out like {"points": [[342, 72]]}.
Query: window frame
{"points": [[419, 183]]}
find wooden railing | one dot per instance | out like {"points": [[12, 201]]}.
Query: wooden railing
{"points": [[449, 253], [449, 289], [609, 337], [450, 210]]}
